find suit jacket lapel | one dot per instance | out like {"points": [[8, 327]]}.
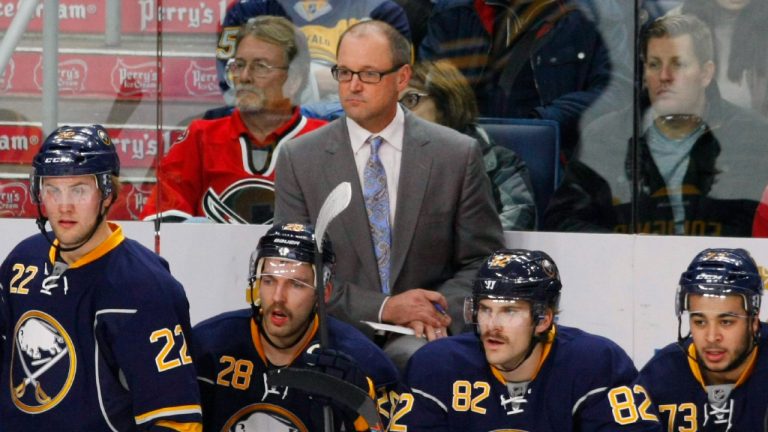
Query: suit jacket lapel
{"points": [[353, 222], [415, 167]]}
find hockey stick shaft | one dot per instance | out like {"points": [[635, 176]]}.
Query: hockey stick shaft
{"points": [[335, 203]]}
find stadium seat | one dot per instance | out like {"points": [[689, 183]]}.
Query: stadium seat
{"points": [[537, 142]]}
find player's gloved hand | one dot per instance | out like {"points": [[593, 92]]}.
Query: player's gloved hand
{"points": [[337, 364]]}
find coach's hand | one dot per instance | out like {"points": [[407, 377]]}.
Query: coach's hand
{"points": [[417, 305]]}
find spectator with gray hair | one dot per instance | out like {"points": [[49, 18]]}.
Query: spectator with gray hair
{"points": [[224, 169]]}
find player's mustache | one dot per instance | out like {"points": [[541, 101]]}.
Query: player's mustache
{"points": [[493, 334], [282, 309]]}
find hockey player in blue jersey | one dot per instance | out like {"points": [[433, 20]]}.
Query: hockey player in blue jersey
{"points": [[519, 371], [97, 324], [236, 351], [713, 378]]}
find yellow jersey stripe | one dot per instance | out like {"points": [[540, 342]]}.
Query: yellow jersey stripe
{"points": [[107, 245], [168, 411]]}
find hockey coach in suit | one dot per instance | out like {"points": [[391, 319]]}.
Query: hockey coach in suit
{"points": [[411, 266]]}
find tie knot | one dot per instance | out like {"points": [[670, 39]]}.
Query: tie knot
{"points": [[376, 142]]}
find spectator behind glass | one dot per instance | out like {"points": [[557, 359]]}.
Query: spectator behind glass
{"points": [[322, 22], [224, 169], [700, 159], [439, 93], [523, 58], [741, 47]]}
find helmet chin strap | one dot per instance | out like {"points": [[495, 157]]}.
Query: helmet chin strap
{"points": [[535, 339]]}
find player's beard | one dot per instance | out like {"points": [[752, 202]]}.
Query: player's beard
{"points": [[250, 98], [737, 359]]}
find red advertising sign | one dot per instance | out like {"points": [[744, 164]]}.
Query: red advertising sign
{"points": [[115, 76], [131, 201], [136, 16], [19, 144], [138, 148], [15, 200]]}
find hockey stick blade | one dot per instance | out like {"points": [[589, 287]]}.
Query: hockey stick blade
{"points": [[343, 392], [334, 204]]}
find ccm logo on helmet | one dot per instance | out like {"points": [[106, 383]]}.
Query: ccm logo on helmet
{"points": [[57, 159]]}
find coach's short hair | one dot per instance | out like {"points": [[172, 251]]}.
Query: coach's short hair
{"points": [[400, 47]]}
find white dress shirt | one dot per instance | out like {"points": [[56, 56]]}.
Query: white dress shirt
{"points": [[390, 153]]}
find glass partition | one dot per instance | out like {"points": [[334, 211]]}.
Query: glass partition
{"points": [[659, 132]]}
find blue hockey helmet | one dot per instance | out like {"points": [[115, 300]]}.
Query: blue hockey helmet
{"points": [[293, 241], [721, 272], [75, 151], [516, 274]]}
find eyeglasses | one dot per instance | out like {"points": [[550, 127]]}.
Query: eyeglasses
{"points": [[366, 76], [258, 68], [411, 99]]}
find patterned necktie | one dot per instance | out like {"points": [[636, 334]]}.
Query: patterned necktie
{"points": [[377, 206]]}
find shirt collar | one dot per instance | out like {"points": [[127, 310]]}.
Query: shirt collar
{"points": [[392, 133]]}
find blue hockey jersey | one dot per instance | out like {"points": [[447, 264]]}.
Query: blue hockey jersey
{"points": [[582, 384], [98, 345], [232, 372], [674, 381]]}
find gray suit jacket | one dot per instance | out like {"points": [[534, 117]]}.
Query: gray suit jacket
{"points": [[445, 223]]}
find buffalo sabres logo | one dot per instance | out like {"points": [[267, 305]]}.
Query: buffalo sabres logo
{"points": [[548, 267], [43, 363], [264, 417], [104, 137], [499, 261]]}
